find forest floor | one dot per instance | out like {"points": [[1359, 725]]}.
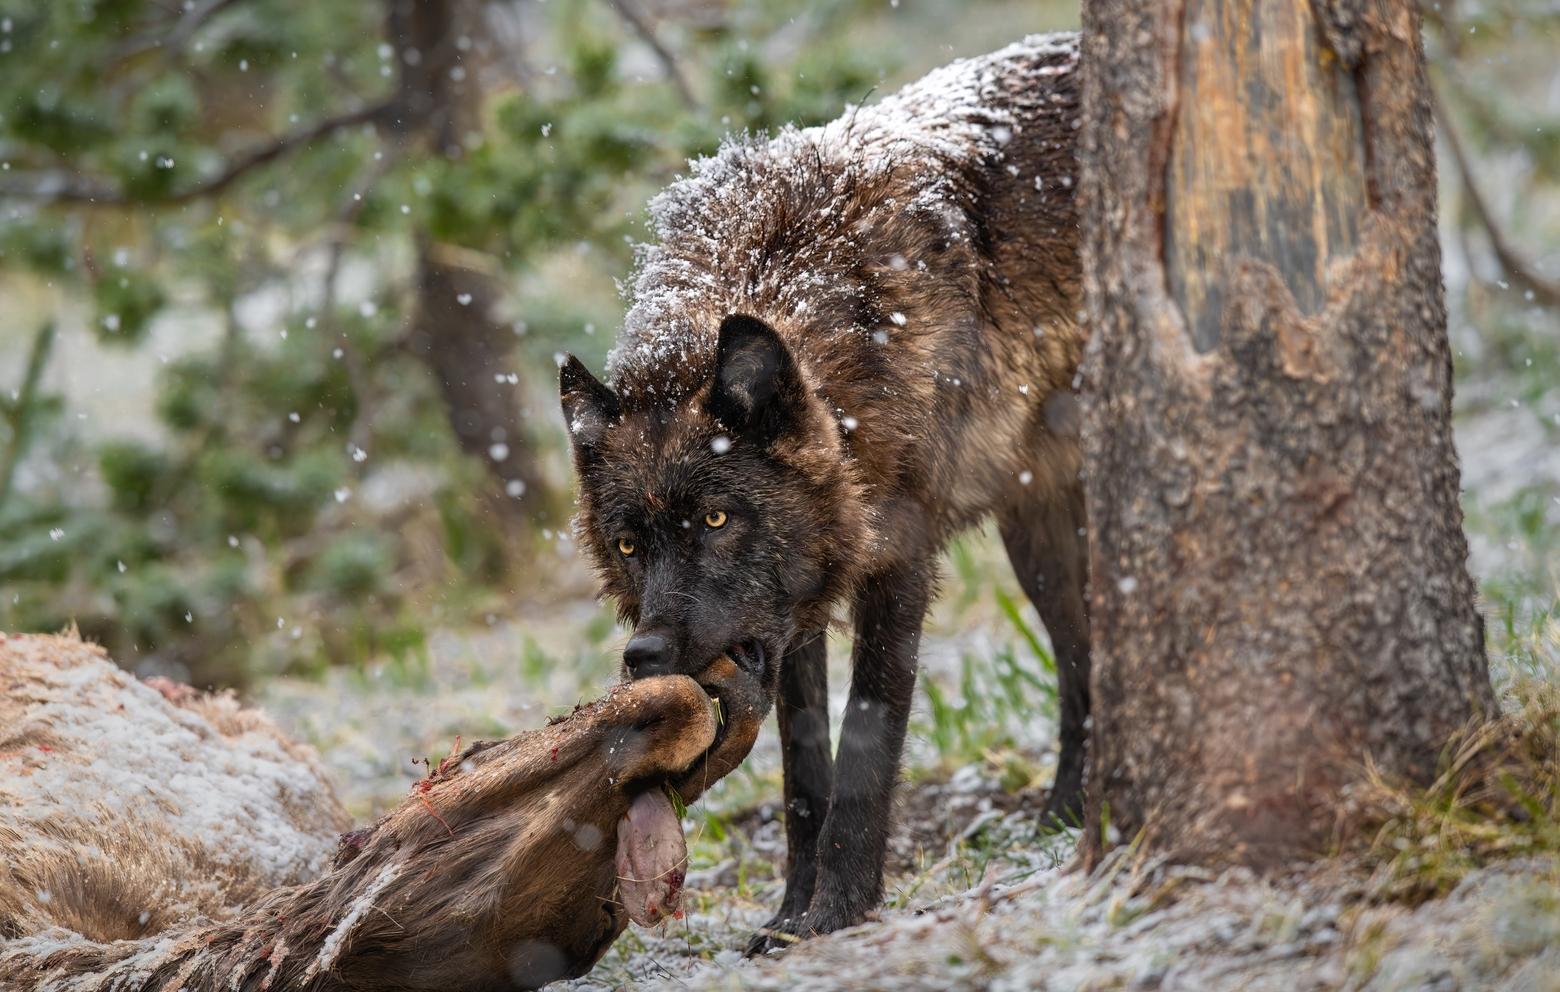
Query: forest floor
{"points": [[977, 896]]}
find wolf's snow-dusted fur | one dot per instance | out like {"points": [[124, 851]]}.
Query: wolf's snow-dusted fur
{"points": [[853, 341], [800, 214]]}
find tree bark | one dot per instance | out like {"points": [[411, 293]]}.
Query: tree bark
{"points": [[466, 349], [454, 329], [1280, 590]]}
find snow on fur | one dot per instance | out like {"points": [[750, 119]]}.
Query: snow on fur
{"points": [[331, 949], [117, 787], [717, 222]]}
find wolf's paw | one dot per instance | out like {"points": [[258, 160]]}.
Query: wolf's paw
{"points": [[783, 931], [1063, 805], [783, 928], [778, 933]]}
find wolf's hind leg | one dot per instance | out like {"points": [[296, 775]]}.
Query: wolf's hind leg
{"points": [[1048, 549]]}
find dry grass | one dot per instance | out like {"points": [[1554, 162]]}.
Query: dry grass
{"points": [[1497, 795]]}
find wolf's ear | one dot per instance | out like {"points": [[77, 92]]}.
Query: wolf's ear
{"points": [[589, 407], [758, 388]]}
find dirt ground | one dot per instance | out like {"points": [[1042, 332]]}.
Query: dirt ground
{"points": [[978, 897]]}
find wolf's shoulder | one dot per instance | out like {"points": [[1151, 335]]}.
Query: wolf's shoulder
{"points": [[971, 107], [775, 221]]}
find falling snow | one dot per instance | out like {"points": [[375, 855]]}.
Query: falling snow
{"points": [[954, 115]]}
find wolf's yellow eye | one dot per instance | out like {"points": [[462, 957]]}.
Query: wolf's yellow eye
{"points": [[626, 547], [715, 520]]}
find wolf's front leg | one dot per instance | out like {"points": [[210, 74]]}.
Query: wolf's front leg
{"points": [[849, 881], [803, 711]]}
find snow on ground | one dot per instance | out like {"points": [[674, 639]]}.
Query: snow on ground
{"points": [[977, 897], [1144, 928]]}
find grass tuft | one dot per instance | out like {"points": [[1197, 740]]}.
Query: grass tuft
{"points": [[995, 696], [1497, 795]]}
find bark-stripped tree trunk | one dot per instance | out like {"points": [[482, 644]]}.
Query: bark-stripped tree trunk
{"points": [[1280, 586]]}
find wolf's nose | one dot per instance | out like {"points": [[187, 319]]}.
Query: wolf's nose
{"points": [[647, 655]]}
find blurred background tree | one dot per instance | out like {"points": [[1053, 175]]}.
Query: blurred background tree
{"points": [[351, 236], [284, 280]]}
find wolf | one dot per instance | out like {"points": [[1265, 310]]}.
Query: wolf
{"points": [[844, 345]]}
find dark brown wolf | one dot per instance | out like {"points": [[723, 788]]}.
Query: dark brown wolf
{"points": [[846, 344]]}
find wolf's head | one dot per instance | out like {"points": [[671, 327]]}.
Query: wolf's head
{"points": [[722, 514]]}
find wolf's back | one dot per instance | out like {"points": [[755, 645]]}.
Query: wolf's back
{"points": [[789, 226]]}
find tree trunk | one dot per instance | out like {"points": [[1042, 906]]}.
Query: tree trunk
{"points": [[454, 329], [466, 349], [1280, 590]]}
